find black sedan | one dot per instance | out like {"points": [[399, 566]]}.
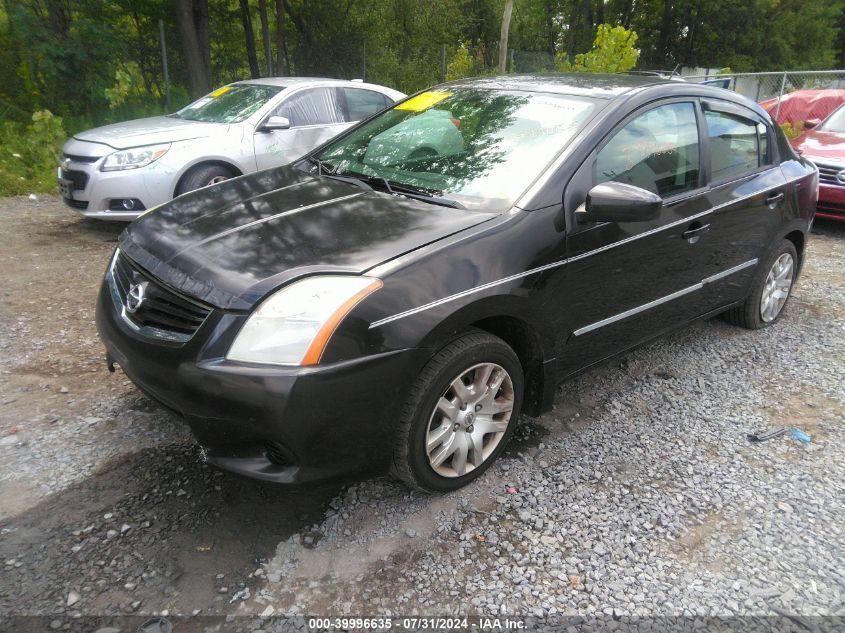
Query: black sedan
{"points": [[394, 300]]}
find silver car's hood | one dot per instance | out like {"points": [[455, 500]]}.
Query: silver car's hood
{"points": [[157, 129]]}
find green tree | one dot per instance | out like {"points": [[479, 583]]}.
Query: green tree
{"points": [[613, 51]]}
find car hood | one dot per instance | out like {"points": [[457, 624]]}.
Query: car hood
{"points": [[149, 131], [822, 145], [232, 243]]}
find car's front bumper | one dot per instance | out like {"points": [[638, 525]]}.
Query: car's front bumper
{"points": [[94, 191], [831, 204], [280, 424]]}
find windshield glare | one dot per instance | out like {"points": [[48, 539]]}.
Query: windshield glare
{"points": [[835, 122], [229, 104], [477, 146]]}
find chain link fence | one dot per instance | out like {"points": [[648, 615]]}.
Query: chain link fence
{"points": [[774, 86]]}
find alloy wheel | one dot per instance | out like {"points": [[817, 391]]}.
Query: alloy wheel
{"points": [[469, 420], [776, 290]]}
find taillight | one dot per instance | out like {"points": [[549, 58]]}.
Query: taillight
{"points": [[456, 123]]}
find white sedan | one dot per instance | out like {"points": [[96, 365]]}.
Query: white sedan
{"points": [[118, 171]]}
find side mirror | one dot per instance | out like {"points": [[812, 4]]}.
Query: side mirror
{"points": [[617, 202], [276, 123], [811, 123]]}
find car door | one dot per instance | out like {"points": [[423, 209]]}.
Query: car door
{"points": [[747, 193], [628, 281], [315, 116]]}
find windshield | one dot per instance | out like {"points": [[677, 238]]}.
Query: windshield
{"points": [[479, 147], [229, 104], [835, 122]]}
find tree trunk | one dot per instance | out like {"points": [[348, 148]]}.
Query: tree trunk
{"points": [[201, 25], [265, 36], [599, 12], [198, 75], [627, 13], [663, 38], [503, 38], [250, 39], [280, 39], [551, 32], [574, 20]]}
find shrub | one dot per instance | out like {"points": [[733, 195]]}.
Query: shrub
{"points": [[461, 65], [29, 154], [792, 130], [613, 52]]}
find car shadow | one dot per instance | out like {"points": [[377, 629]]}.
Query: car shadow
{"points": [[156, 529], [833, 228]]}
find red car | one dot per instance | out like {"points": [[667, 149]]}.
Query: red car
{"points": [[824, 144], [805, 105]]}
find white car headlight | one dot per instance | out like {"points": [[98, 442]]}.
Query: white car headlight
{"points": [[293, 325], [134, 158]]}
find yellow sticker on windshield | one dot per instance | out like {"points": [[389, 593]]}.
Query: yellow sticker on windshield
{"points": [[423, 101], [220, 91]]}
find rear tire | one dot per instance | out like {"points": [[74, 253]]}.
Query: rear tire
{"points": [[449, 432], [203, 176], [770, 290]]}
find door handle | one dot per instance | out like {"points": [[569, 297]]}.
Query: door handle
{"points": [[774, 198], [695, 231]]}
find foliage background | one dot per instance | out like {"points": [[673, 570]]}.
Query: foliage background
{"points": [[91, 62]]}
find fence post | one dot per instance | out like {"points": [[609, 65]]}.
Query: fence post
{"points": [[780, 96], [164, 65]]}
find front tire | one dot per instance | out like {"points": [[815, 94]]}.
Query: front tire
{"points": [[770, 290], [459, 415], [203, 176]]}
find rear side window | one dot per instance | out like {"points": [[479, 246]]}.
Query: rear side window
{"points": [[656, 151], [315, 106], [737, 145], [362, 104]]}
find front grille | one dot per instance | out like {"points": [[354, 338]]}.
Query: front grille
{"points": [[168, 313], [827, 205], [76, 158], [76, 204], [78, 178], [827, 174]]}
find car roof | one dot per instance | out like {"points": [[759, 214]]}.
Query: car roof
{"points": [[604, 86], [287, 82], [587, 84]]}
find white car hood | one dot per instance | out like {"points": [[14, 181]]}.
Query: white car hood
{"points": [[157, 129]]}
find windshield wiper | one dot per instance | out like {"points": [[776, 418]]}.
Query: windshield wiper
{"points": [[417, 193], [409, 191], [352, 180], [321, 166]]}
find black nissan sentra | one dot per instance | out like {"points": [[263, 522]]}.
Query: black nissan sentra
{"points": [[393, 301]]}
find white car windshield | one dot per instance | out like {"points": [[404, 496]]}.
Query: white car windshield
{"points": [[479, 147], [835, 122], [229, 104]]}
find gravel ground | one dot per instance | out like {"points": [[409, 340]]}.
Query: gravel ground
{"points": [[638, 496]]}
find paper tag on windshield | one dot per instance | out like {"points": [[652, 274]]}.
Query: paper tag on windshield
{"points": [[423, 101]]}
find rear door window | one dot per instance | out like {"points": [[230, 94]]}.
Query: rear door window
{"points": [[362, 104], [314, 106], [737, 145], [657, 151]]}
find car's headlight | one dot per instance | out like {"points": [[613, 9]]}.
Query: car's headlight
{"points": [[134, 158], [293, 325]]}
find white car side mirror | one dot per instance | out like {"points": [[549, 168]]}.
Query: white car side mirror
{"points": [[276, 123]]}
